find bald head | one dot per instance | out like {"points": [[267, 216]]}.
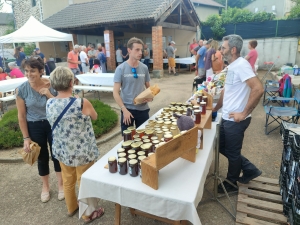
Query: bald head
{"points": [[201, 43]]}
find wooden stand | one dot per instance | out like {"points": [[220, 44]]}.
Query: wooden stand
{"points": [[210, 100], [206, 121], [259, 202], [183, 146]]}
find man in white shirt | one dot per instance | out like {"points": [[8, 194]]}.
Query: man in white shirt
{"points": [[240, 96], [84, 60]]}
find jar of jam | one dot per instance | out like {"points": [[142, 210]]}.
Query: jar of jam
{"points": [[122, 166], [135, 146], [153, 138], [199, 98], [133, 156], [174, 130], [141, 153], [160, 123], [168, 137], [140, 158], [195, 107], [132, 130], [179, 104], [137, 140], [165, 130], [126, 145], [135, 136], [156, 126], [112, 164], [149, 133], [146, 141], [131, 152], [145, 148], [204, 99], [173, 103], [168, 124], [133, 168], [121, 150], [197, 116], [140, 132], [151, 122], [127, 135], [159, 134], [203, 108], [122, 155]]}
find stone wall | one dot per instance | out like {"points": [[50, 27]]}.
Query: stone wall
{"points": [[3, 29], [23, 9]]}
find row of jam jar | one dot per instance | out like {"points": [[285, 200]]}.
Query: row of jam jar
{"points": [[121, 166]]}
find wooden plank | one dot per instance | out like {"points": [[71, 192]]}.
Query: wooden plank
{"points": [[190, 155], [262, 187], [266, 180], [176, 26], [206, 120], [149, 174], [241, 218], [117, 214], [242, 207], [175, 148], [260, 203], [261, 195]]}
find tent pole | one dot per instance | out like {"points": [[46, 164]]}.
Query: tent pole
{"points": [[54, 52], [4, 66], [14, 45]]}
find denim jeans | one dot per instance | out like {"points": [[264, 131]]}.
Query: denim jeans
{"points": [[40, 132], [146, 62], [139, 117], [231, 142]]}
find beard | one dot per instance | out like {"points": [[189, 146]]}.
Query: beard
{"points": [[227, 57]]}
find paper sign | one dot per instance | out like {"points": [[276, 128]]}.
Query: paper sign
{"points": [[106, 38], [107, 46], [107, 53]]}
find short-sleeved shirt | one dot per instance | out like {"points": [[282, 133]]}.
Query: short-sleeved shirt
{"points": [[119, 55], [170, 51], [16, 72], [193, 46], [3, 76], [41, 55], [237, 91], [252, 57], [201, 52], [208, 62], [83, 56], [92, 53], [21, 57], [35, 103], [147, 56], [130, 86], [74, 57]]}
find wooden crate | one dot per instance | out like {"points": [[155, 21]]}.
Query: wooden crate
{"points": [[259, 202]]}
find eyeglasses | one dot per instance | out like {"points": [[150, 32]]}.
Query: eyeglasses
{"points": [[133, 70]]}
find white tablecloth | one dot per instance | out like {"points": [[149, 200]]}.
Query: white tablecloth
{"points": [[188, 60], [181, 185], [103, 79]]}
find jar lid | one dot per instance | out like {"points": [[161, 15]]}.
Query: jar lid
{"points": [[140, 131], [204, 96], [131, 151], [168, 136], [154, 138], [121, 150], [173, 128], [137, 139], [144, 137], [122, 160], [136, 136], [168, 122], [139, 143], [127, 143], [151, 153], [160, 121], [161, 143], [141, 153], [131, 128], [155, 142], [196, 111], [140, 158], [133, 161], [195, 107], [111, 159], [159, 131], [174, 124], [122, 155], [178, 103], [126, 132], [132, 156], [145, 146], [202, 103], [149, 131], [135, 145]]}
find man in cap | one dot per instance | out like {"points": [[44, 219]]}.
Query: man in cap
{"points": [[40, 54], [170, 51]]}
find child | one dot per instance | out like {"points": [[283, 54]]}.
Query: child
{"points": [[2, 75], [96, 68]]}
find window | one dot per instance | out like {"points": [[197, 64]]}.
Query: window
{"points": [[33, 3]]}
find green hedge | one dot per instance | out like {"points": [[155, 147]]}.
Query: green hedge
{"points": [[11, 136]]}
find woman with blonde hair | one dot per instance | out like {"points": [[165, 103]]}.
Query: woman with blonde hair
{"points": [[74, 143]]}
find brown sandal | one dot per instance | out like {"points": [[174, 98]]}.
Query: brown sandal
{"points": [[95, 215]]}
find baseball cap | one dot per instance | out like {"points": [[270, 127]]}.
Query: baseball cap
{"points": [[36, 49], [172, 42]]}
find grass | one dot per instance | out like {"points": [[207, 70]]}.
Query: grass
{"points": [[11, 136]]}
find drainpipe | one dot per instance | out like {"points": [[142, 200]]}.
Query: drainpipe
{"points": [[40, 9]]}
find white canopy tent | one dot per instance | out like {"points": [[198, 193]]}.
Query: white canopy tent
{"points": [[35, 31]]}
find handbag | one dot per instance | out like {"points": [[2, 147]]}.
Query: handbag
{"points": [[216, 65], [30, 157]]}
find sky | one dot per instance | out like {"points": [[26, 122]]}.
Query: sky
{"points": [[6, 7]]}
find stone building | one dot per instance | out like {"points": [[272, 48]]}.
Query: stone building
{"points": [[5, 22]]}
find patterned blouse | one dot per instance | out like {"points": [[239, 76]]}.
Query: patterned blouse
{"points": [[74, 142]]}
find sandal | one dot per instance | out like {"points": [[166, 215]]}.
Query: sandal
{"points": [[73, 213], [95, 215], [45, 197]]}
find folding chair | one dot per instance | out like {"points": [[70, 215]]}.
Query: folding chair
{"points": [[282, 113], [271, 66], [271, 90]]}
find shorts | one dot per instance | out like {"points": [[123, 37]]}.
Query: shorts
{"points": [[75, 71], [171, 62], [201, 72]]}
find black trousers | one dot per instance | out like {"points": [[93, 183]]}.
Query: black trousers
{"points": [[139, 117], [40, 132], [231, 142]]}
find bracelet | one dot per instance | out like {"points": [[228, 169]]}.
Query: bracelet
{"points": [[25, 138], [123, 107]]}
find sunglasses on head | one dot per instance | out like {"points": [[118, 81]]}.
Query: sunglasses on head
{"points": [[133, 70]]}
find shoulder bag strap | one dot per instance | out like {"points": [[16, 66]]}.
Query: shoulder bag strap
{"points": [[63, 113]]}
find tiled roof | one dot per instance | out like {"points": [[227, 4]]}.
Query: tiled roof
{"points": [[107, 11], [208, 2], [6, 18]]}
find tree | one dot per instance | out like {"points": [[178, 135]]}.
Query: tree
{"points": [[295, 11]]}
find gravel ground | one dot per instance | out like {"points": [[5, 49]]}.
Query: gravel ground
{"points": [[20, 184]]}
